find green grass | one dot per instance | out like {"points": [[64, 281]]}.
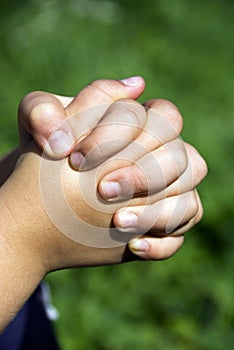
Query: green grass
{"points": [[185, 51]]}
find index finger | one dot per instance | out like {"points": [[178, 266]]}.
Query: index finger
{"points": [[163, 125], [42, 115], [120, 125]]}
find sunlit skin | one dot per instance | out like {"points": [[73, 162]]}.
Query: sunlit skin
{"points": [[31, 246]]}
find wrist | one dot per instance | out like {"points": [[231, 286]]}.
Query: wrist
{"points": [[34, 232], [21, 216]]}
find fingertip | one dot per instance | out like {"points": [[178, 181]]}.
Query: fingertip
{"points": [[59, 144], [139, 246], [135, 86], [125, 220], [135, 81], [109, 190], [77, 160], [42, 116], [131, 87], [156, 248]]}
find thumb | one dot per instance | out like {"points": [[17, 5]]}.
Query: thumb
{"points": [[104, 92], [39, 115], [42, 116], [90, 105]]}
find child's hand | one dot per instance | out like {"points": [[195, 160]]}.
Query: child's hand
{"points": [[42, 116], [158, 169], [52, 216], [159, 136], [64, 223]]}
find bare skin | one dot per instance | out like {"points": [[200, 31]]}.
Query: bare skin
{"points": [[31, 245], [40, 114]]}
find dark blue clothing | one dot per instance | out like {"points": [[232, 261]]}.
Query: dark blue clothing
{"points": [[31, 329]]}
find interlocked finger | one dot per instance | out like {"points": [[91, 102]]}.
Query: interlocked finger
{"points": [[150, 174], [160, 218], [163, 125], [120, 125], [156, 248]]}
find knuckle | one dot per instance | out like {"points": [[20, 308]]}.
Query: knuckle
{"points": [[39, 113], [182, 159], [194, 205], [200, 211], [102, 84], [104, 87], [137, 179], [202, 167], [27, 102], [198, 163], [133, 116], [35, 108], [178, 154], [170, 111], [93, 149], [133, 112]]}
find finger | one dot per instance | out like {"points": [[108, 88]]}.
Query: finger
{"points": [[89, 106], [163, 124], [169, 114], [191, 177], [187, 226], [120, 125], [151, 173], [156, 248], [160, 218], [159, 129], [104, 92], [40, 115]]}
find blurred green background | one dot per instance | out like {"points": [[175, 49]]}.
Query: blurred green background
{"points": [[185, 51]]}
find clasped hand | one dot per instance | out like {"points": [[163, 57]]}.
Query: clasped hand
{"points": [[131, 154], [100, 179]]}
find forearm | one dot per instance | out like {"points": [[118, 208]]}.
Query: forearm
{"points": [[19, 277], [30, 245], [21, 269]]}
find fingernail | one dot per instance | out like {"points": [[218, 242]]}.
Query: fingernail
{"points": [[132, 81], [110, 190], [139, 245], [77, 160], [60, 142], [126, 219]]}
